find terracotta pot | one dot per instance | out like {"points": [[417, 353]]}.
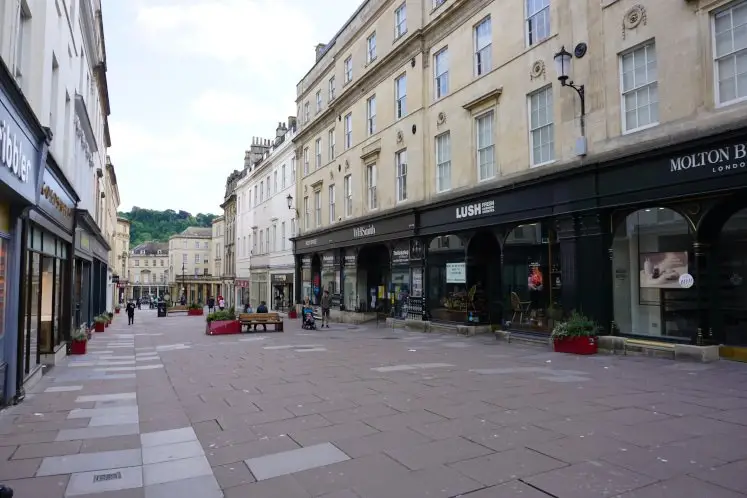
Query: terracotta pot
{"points": [[576, 345]]}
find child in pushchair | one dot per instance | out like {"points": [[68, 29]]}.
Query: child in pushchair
{"points": [[308, 323]]}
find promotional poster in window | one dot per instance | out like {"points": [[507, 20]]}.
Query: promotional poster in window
{"points": [[662, 270]]}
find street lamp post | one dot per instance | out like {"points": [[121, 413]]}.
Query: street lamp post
{"points": [[563, 67], [184, 285]]}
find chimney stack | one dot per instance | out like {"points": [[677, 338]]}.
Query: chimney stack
{"points": [[319, 50], [292, 122]]}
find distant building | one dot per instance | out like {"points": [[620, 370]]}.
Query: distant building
{"points": [[121, 251], [190, 266], [148, 273]]}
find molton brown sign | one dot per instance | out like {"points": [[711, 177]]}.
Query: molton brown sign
{"points": [[731, 158]]}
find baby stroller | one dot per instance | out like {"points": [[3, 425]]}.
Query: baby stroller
{"points": [[308, 321]]}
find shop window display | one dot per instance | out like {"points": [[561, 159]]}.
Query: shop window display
{"points": [[532, 278], [650, 251], [399, 290], [331, 282], [448, 295], [350, 287], [3, 283], [731, 280]]}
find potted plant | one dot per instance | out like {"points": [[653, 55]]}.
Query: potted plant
{"points": [[117, 308], [195, 309], [110, 316], [99, 323], [222, 322], [576, 335], [79, 340]]}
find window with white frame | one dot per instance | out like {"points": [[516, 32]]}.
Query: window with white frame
{"points": [[640, 88], [293, 227], [261, 191], [254, 241], [331, 195], [267, 240], [256, 197], [306, 113], [282, 236], [400, 96], [331, 142], [400, 21], [306, 214], [371, 186], [306, 161], [331, 89], [371, 115], [275, 181], [268, 187], [483, 47], [400, 164], [318, 101], [541, 130], [371, 48], [274, 236], [318, 153], [443, 162], [441, 73], [485, 146], [730, 53], [282, 177], [348, 193], [348, 69], [184, 259], [184, 244], [293, 170], [437, 3], [198, 256], [537, 20], [318, 208], [348, 130]]}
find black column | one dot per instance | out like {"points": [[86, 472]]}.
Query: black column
{"points": [[567, 235], [593, 269], [299, 282], [704, 333]]}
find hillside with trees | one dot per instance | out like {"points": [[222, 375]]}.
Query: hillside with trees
{"points": [[150, 224]]}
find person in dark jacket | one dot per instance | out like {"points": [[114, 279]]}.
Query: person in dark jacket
{"points": [[211, 304], [262, 308], [326, 305], [130, 313]]}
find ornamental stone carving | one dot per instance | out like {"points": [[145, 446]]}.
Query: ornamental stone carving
{"points": [[537, 70], [634, 17], [400, 136], [441, 118]]}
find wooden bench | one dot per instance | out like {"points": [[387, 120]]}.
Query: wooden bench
{"points": [[647, 347], [176, 309], [254, 319]]}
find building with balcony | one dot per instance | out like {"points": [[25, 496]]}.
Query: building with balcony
{"points": [[265, 224], [531, 161], [190, 266], [148, 271]]}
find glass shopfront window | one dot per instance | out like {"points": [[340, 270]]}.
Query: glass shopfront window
{"points": [[331, 281], [532, 277], [650, 251], [306, 283], [731, 280], [3, 283], [31, 357], [350, 286], [400, 290], [447, 279]]}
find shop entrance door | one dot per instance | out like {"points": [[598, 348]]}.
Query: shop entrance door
{"points": [[484, 279], [374, 261]]}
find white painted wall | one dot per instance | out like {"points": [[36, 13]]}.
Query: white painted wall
{"points": [[53, 46], [271, 212]]}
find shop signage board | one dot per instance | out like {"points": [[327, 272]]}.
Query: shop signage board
{"points": [[20, 156], [329, 260], [718, 160], [281, 278], [456, 273], [350, 260], [474, 210], [401, 255], [369, 232]]}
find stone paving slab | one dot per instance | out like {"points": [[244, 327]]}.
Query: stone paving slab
{"points": [[416, 415]]}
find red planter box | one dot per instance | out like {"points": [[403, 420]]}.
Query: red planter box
{"points": [[78, 347], [197, 312], [292, 314], [576, 345], [99, 327], [223, 327], [116, 311]]}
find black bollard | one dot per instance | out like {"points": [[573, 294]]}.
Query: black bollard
{"points": [[5, 491]]}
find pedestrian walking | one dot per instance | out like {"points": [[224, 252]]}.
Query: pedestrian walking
{"points": [[221, 303], [130, 313], [211, 304], [138, 303], [325, 308]]}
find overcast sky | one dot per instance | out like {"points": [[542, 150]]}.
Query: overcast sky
{"points": [[192, 81]]}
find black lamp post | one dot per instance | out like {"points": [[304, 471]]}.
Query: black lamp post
{"points": [[184, 285], [290, 203], [563, 67]]}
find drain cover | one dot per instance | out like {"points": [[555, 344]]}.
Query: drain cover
{"points": [[107, 477]]}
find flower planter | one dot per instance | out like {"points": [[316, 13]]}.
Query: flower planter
{"points": [[292, 314], [576, 345], [116, 311], [223, 327], [78, 347], [99, 327], [193, 312], [106, 324]]}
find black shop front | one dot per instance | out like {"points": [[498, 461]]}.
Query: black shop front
{"points": [[649, 244], [359, 264]]}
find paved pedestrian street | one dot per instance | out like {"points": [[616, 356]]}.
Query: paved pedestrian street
{"points": [[159, 409]]}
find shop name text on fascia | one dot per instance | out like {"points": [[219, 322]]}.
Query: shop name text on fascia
{"points": [[476, 209], [368, 231], [11, 153], [714, 157]]}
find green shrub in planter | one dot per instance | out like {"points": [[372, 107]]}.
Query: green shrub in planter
{"points": [[195, 306], [577, 325], [220, 316], [80, 334], [101, 319]]}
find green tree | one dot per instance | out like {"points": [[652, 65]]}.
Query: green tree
{"points": [[150, 224]]}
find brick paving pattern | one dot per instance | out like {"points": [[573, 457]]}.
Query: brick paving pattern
{"points": [[158, 409]]}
